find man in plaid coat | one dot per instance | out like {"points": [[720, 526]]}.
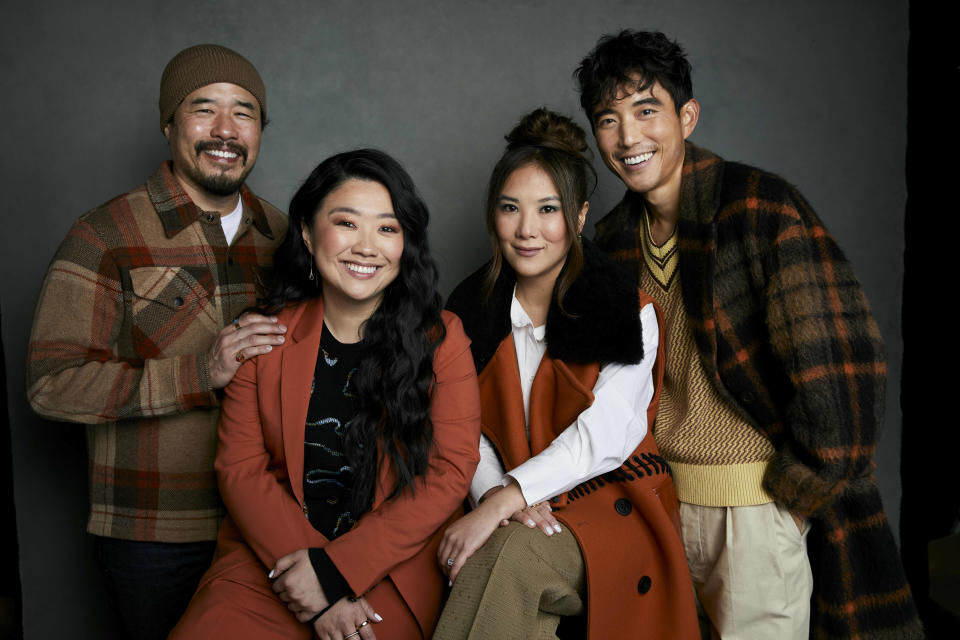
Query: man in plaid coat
{"points": [[140, 323], [775, 373]]}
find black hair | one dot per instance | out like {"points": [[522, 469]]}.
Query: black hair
{"points": [[613, 67], [395, 375], [558, 145]]}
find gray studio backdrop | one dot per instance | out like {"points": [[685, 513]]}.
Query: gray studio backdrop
{"points": [[815, 91]]}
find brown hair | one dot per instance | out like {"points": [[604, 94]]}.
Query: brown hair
{"points": [[557, 145]]}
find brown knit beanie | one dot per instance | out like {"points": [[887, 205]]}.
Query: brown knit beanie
{"points": [[204, 64]]}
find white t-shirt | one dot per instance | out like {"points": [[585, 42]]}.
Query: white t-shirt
{"points": [[231, 222]]}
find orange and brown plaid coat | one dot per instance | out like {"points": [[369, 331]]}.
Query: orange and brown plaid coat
{"points": [[130, 305], [785, 332]]}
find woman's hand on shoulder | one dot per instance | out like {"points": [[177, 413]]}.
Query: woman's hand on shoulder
{"points": [[295, 582], [538, 515], [347, 618], [462, 539]]}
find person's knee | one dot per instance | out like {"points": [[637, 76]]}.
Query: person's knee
{"points": [[518, 548], [513, 544], [227, 609]]}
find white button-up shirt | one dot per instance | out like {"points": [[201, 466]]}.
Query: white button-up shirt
{"points": [[601, 438]]}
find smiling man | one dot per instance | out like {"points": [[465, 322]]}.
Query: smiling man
{"points": [[775, 375], [139, 325]]}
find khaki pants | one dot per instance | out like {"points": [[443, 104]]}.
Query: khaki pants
{"points": [[517, 585], [750, 569]]}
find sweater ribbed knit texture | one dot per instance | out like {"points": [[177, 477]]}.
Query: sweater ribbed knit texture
{"points": [[718, 459], [204, 64]]}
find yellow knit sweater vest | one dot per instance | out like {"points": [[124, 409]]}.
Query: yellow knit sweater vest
{"points": [[717, 458]]}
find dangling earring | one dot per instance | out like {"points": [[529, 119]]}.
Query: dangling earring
{"points": [[312, 277]]}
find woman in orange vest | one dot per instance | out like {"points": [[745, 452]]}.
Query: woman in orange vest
{"points": [[344, 451], [576, 514]]}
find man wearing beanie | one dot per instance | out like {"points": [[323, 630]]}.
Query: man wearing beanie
{"points": [[141, 323]]}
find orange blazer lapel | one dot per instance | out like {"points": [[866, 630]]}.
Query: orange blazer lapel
{"points": [[559, 394], [296, 377], [501, 400]]}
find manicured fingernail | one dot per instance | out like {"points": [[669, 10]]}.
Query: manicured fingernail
{"points": [[557, 528], [377, 616], [450, 583], [531, 523], [269, 348], [548, 531], [280, 339], [270, 575]]}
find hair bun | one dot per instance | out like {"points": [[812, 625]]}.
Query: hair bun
{"points": [[545, 128]]}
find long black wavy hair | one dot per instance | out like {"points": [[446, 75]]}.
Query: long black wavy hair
{"points": [[395, 375]]}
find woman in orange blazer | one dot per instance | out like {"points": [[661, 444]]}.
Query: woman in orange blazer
{"points": [[344, 451], [569, 385]]}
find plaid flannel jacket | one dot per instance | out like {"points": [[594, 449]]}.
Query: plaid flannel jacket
{"points": [[130, 305], [785, 332]]}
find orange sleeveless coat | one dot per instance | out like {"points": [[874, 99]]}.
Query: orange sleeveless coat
{"points": [[626, 521]]}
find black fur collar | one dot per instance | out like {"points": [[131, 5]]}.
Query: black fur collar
{"points": [[604, 325]]}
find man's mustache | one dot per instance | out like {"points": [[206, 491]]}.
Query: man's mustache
{"points": [[211, 145]]}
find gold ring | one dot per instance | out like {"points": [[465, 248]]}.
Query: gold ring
{"points": [[350, 635], [239, 357], [363, 624], [236, 323]]}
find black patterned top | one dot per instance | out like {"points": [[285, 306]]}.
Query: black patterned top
{"points": [[327, 474]]}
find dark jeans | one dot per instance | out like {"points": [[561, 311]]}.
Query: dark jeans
{"points": [[151, 583]]}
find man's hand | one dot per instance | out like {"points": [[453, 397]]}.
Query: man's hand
{"points": [[249, 336], [295, 582]]}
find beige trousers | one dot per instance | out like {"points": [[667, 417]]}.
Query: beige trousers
{"points": [[517, 585], [750, 569]]}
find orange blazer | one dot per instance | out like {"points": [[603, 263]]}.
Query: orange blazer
{"points": [[259, 465]]}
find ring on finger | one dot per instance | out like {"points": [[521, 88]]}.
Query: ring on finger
{"points": [[362, 624], [239, 357], [350, 635], [449, 562], [236, 323]]}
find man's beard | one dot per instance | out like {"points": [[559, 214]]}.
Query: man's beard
{"points": [[219, 184]]}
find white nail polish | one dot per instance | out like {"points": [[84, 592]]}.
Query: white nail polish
{"points": [[270, 575], [557, 528], [377, 616], [531, 523]]}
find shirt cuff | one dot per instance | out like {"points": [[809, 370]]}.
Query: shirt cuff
{"points": [[489, 472], [535, 479], [194, 384], [334, 584]]}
